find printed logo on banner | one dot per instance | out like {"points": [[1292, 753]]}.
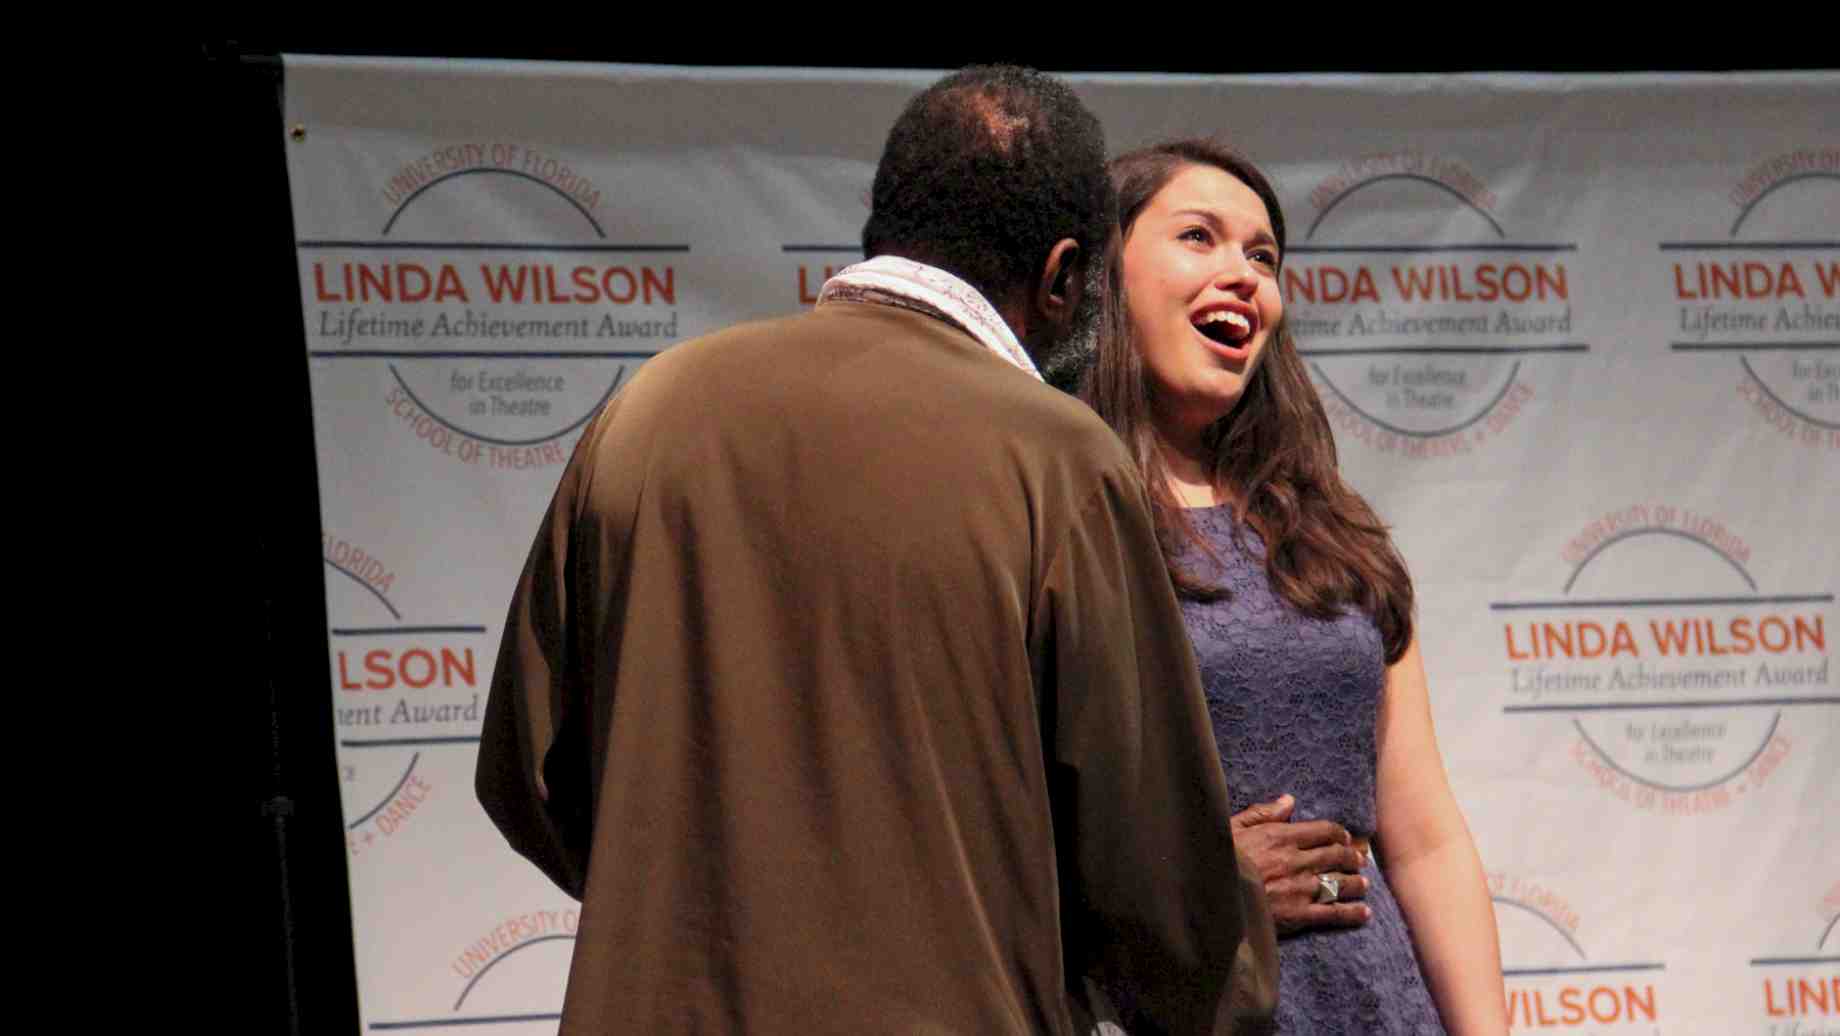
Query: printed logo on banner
{"points": [[1799, 994], [495, 972], [402, 692], [1686, 682], [495, 309], [1552, 983], [1422, 321], [399, 691], [1764, 294]]}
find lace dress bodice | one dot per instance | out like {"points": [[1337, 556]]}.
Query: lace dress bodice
{"points": [[1294, 702]]}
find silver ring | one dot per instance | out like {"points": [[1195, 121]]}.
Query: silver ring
{"points": [[1328, 888]]}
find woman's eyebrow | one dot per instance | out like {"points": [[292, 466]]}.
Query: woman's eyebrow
{"points": [[1204, 215], [1214, 222]]}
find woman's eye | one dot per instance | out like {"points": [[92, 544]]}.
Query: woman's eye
{"points": [[1265, 256], [1198, 235]]}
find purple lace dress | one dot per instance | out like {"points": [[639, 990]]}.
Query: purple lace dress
{"points": [[1294, 703]]}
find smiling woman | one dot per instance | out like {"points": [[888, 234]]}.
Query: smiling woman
{"points": [[1201, 274], [1299, 609], [1201, 231]]}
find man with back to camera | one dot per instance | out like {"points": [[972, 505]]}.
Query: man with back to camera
{"points": [[844, 685]]}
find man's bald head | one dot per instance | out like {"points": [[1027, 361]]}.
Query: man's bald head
{"points": [[984, 172]]}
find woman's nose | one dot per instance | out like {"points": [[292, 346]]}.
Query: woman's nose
{"points": [[1236, 272]]}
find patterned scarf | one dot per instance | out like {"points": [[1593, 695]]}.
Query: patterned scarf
{"points": [[892, 281]]}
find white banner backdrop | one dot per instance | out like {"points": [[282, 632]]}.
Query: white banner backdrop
{"points": [[1579, 337]]}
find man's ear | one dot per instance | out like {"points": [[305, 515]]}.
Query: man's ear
{"points": [[1056, 293]]}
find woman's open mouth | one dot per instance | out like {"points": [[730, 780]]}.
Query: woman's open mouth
{"points": [[1227, 326]]}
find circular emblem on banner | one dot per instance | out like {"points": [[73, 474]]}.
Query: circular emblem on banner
{"points": [[1677, 671], [1420, 316], [1762, 295], [399, 691], [493, 302], [1551, 981], [497, 970]]}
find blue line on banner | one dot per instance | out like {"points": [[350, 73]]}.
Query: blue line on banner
{"points": [[1662, 602], [1682, 789], [1752, 347], [485, 246], [384, 631], [1413, 433], [1589, 970], [1763, 387], [1428, 249], [856, 249], [618, 376], [1741, 246], [437, 181], [1777, 186], [1830, 928], [497, 1019], [465, 354], [1773, 962], [481, 973], [1563, 934], [1454, 350], [1656, 531], [400, 742], [1615, 706], [353, 826], [394, 614], [1440, 185]]}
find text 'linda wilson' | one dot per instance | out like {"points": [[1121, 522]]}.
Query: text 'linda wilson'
{"points": [[1776, 634], [505, 283]]}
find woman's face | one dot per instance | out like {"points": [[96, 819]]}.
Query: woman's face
{"points": [[1201, 282]]}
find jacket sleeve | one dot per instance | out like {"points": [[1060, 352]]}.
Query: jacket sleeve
{"points": [[533, 773], [1154, 907]]}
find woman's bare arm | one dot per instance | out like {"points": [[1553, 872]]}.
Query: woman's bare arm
{"points": [[1431, 863]]}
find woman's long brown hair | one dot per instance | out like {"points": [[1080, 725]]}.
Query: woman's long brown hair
{"points": [[1274, 453]]}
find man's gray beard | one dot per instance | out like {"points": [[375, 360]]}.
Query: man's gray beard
{"points": [[1065, 361]]}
